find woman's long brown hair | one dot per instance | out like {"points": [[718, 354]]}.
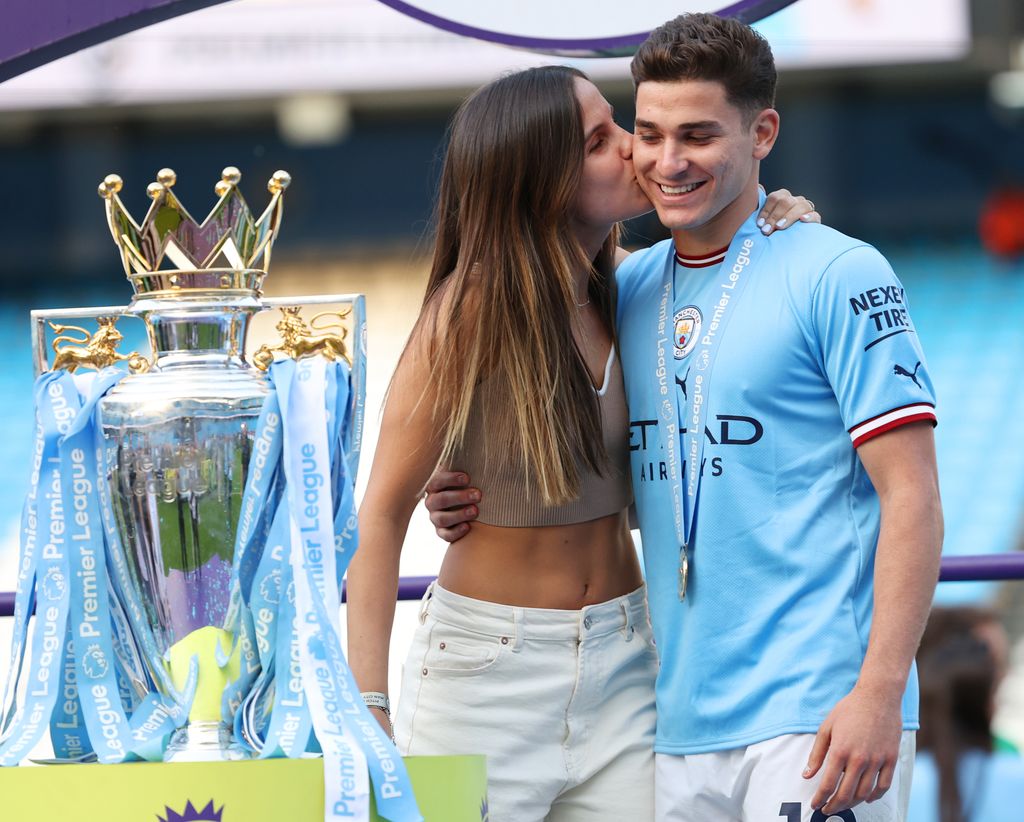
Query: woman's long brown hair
{"points": [[500, 296]]}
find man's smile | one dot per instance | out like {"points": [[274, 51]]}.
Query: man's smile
{"points": [[683, 189]]}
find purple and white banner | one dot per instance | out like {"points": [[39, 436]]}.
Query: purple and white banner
{"points": [[261, 49], [594, 26]]}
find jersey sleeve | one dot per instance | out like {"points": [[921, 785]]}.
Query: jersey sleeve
{"points": [[868, 346]]}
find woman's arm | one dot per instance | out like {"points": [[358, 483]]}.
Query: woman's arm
{"points": [[782, 209], [406, 454]]}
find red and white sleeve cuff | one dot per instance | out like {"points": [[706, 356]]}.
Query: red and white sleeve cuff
{"points": [[890, 420]]}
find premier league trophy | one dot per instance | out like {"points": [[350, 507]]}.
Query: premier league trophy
{"points": [[179, 435], [191, 516], [172, 523]]}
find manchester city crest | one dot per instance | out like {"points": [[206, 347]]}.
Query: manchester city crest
{"points": [[687, 330]]}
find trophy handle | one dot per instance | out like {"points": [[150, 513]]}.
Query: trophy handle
{"points": [[299, 339], [80, 348], [344, 338]]}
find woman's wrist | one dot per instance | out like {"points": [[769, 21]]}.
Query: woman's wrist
{"points": [[378, 700]]}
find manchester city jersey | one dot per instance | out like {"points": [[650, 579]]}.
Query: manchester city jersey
{"points": [[818, 356]]}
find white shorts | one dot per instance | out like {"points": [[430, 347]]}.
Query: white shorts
{"points": [[763, 783], [561, 702]]}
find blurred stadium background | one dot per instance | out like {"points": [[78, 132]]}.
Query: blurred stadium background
{"points": [[904, 122]]}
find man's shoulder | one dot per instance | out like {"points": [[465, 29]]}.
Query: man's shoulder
{"points": [[815, 243], [817, 252], [636, 268]]}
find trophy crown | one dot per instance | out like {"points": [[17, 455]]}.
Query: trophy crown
{"points": [[228, 242]]}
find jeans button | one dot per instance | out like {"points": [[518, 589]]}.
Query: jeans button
{"points": [[587, 622]]}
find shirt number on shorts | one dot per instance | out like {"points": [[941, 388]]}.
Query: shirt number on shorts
{"points": [[792, 812]]}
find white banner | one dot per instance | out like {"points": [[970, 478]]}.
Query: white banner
{"points": [[278, 48]]}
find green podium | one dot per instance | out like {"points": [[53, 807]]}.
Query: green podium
{"points": [[448, 789]]}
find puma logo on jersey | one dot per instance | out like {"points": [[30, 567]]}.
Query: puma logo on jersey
{"points": [[900, 371], [682, 383]]}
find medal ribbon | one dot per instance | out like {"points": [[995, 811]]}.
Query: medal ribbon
{"points": [[744, 251]]}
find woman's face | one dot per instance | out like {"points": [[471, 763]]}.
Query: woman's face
{"points": [[608, 189]]}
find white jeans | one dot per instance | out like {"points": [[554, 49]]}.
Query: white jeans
{"points": [[763, 783], [561, 703]]}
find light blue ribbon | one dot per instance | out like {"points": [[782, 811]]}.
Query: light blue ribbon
{"points": [[246, 620], [336, 706], [95, 663], [24, 599], [57, 403], [67, 731]]}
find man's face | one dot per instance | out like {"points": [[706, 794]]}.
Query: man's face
{"points": [[696, 159]]}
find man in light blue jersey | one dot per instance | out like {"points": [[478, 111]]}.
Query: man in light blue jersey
{"points": [[783, 465]]}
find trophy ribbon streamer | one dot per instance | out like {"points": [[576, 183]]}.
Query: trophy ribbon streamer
{"points": [[290, 720], [80, 686], [333, 695], [57, 403], [90, 626], [254, 619], [24, 600]]}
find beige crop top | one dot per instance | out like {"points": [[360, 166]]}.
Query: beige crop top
{"points": [[503, 481]]}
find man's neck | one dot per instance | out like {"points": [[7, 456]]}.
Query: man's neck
{"points": [[719, 230]]}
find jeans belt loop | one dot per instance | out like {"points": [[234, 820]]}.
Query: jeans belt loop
{"points": [[627, 628], [517, 629], [425, 602]]}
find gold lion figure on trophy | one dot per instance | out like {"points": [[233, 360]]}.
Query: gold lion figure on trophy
{"points": [[301, 340], [87, 350]]}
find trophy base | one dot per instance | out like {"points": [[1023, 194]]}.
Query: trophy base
{"points": [[204, 742]]}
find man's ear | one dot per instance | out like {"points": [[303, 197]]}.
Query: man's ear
{"points": [[765, 129]]}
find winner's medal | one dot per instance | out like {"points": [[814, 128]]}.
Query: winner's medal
{"points": [[745, 248]]}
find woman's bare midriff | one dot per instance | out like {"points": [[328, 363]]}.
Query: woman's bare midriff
{"points": [[563, 566]]}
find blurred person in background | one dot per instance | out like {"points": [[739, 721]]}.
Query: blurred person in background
{"points": [[959, 775], [984, 624], [535, 646]]}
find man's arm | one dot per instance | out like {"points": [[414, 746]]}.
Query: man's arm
{"points": [[452, 503], [862, 733]]}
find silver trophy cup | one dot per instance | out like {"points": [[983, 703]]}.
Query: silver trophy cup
{"points": [[178, 432]]}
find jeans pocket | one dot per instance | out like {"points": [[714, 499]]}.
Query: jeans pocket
{"points": [[458, 652]]}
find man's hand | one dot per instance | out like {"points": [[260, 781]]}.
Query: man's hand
{"points": [[451, 503], [862, 739]]}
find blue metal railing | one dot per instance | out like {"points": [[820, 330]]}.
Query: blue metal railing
{"points": [[954, 569]]}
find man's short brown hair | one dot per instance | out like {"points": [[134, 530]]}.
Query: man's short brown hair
{"points": [[709, 47]]}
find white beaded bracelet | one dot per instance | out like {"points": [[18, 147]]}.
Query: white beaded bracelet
{"points": [[375, 699]]}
